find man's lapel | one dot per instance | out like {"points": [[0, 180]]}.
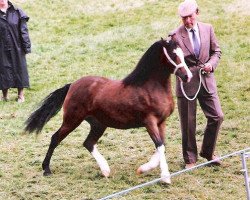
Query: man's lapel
{"points": [[203, 34], [186, 40]]}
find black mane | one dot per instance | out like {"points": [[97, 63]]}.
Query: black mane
{"points": [[149, 63]]}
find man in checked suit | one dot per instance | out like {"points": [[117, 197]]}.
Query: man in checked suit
{"points": [[201, 50]]}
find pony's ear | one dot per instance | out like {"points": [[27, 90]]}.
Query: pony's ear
{"points": [[168, 38], [163, 41]]}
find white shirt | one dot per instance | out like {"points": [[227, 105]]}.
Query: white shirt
{"points": [[196, 32], [3, 10]]}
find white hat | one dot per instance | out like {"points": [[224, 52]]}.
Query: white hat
{"points": [[188, 7]]}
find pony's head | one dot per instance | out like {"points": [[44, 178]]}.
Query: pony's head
{"points": [[175, 58], [162, 58]]}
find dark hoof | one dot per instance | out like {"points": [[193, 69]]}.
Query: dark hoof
{"points": [[47, 173]]}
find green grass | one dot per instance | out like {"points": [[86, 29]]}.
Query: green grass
{"points": [[73, 38]]}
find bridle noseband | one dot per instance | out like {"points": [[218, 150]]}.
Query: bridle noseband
{"points": [[172, 62]]}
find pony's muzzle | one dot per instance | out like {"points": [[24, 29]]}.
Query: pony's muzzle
{"points": [[184, 74]]}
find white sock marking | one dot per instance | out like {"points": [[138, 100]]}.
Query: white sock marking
{"points": [[101, 161], [151, 164], [163, 165]]}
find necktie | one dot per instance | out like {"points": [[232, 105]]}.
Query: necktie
{"points": [[196, 44]]}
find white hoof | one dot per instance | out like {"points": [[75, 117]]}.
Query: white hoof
{"points": [[139, 170], [166, 179], [106, 173], [143, 168]]}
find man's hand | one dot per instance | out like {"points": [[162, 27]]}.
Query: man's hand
{"points": [[207, 68]]}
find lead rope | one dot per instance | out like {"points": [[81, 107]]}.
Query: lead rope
{"points": [[184, 93]]}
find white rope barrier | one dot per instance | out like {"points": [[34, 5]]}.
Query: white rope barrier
{"points": [[173, 174]]}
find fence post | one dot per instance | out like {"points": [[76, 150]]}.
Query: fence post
{"points": [[245, 155]]}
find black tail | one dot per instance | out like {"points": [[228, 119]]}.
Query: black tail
{"points": [[49, 107]]}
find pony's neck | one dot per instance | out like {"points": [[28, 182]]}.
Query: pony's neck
{"points": [[161, 75], [163, 79]]}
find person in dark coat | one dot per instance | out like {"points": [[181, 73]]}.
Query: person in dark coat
{"points": [[14, 45]]}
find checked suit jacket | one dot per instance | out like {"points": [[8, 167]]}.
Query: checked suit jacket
{"points": [[210, 52]]}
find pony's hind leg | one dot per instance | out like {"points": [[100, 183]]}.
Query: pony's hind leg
{"points": [[67, 127], [55, 140], [46, 162], [96, 131]]}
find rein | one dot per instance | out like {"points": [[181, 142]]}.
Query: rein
{"points": [[184, 93], [179, 66], [200, 72]]}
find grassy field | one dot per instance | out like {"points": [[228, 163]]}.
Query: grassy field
{"points": [[76, 38]]}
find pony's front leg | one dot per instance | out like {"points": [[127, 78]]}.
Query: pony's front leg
{"points": [[157, 133], [165, 175], [101, 161], [151, 164], [157, 159]]}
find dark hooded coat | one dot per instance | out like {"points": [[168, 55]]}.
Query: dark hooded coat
{"points": [[14, 45]]}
